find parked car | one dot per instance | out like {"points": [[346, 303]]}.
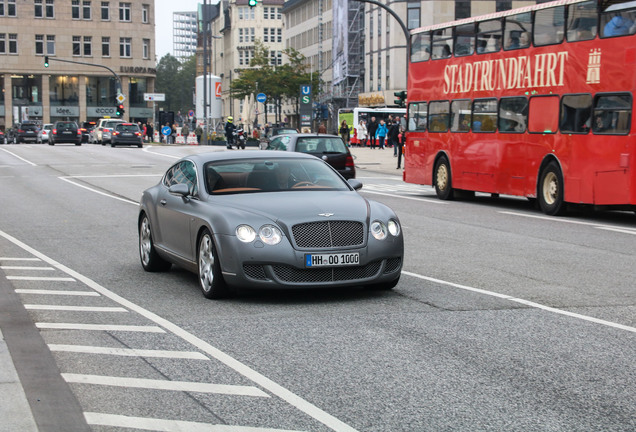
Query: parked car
{"points": [[3, 138], [43, 133], [65, 132], [26, 131], [126, 133], [329, 148], [86, 129], [275, 131], [96, 135], [261, 219]]}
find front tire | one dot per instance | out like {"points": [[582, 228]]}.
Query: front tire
{"points": [[443, 180], [150, 259], [550, 193], [210, 278]]}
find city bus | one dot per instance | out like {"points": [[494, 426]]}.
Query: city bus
{"points": [[533, 102]]}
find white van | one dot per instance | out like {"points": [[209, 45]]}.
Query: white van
{"points": [[96, 136]]}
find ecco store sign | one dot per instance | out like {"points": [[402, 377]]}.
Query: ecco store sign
{"points": [[64, 111], [100, 111]]}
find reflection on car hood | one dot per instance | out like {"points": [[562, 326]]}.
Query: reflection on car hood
{"points": [[294, 207]]}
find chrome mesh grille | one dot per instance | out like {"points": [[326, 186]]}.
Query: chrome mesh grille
{"points": [[392, 264], [295, 275], [328, 234]]}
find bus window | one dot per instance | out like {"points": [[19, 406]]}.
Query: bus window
{"points": [[517, 30], [513, 114], [616, 22], [548, 26], [488, 36], [417, 116], [464, 40], [576, 111], [438, 114], [582, 21], [485, 115], [420, 47], [442, 43], [460, 116], [543, 115], [612, 114]]}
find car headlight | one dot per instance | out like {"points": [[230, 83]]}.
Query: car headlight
{"points": [[394, 227], [378, 230], [245, 233], [270, 235]]}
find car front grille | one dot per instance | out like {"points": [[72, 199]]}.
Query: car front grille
{"points": [[254, 271], [392, 265], [296, 275], [327, 234]]}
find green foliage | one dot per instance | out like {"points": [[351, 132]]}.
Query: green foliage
{"points": [[176, 80]]}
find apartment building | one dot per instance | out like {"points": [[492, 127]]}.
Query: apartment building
{"points": [[184, 35], [95, 48]]}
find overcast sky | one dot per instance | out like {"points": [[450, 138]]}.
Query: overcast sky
{"points": [[163, 21]]}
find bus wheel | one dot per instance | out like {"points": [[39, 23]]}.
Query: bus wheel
{"points": [[442, 181], [550, 194]]}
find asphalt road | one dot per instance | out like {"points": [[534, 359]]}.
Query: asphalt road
{"points": [[504, 319]]}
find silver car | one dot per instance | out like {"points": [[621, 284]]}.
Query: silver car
{"points": [[43, 133], [267, 220]]}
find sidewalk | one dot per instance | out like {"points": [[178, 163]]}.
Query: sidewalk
{"points": [[369, 161]]}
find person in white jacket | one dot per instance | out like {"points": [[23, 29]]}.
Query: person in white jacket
{"points": [[361, 133]]}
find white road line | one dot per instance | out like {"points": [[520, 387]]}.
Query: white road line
{"points": [[432, 201], [113, 176], [147, 150], [25, 268], [525, 302], [126, 200], [21, 158], [74, 308], [46, 279], [99, 327], [57, 292], [121, 421], [185, 386], [128, 352], [266, 383], [620, 230], [570, 221], [19, 259]]}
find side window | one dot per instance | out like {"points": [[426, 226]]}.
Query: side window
{"points": [[442, 43], [576, 114], [582, 21], [612, 114], [183, 172], [618, 23], [460, 116], [417, 116], [548, 26], [274, 144], [517, 30], [464, 40], [485, 115], [438, 115], [489, 36], [513, 114], [543, 115], [420, 47]]}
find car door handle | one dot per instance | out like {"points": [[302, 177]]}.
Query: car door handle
{"points": [[163, 202]]}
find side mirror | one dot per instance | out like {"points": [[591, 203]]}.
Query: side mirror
{"points": [[181, 189], [356, 184]]}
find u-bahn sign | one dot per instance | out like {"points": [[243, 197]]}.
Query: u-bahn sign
{"points": [[305, 108]]}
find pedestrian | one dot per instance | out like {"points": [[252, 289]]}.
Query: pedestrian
{"points": [[361, 132], [185, 131], [392, 136], [322, 129], [372, 127], [173, 134], [380, 134], [344, 132], [400, 147], [229, 131], [199, 133], [150, 133]]}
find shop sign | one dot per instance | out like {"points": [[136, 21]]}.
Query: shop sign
{"points": [[100, 111], [64, 111]]}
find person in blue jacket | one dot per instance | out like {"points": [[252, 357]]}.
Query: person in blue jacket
{"points": [[380, 134]]}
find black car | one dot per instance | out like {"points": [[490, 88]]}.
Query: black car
{"points": [[23, 132], [329, 148], [65, 132], [2, 137], [126, 134]]}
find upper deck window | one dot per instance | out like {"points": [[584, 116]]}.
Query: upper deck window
{"points": [[489, 36], [442, 43], [421, 47], [582, 21], [517, 31], [548, 26], [465, 39]]}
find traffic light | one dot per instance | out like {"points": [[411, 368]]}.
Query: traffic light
{"points": [[252, 3], [120, 110], [401, 98], [46, 61]]}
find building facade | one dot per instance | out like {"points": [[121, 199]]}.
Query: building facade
{"points": [[94, 48], [184, 35]]}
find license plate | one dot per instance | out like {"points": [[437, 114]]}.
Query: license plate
{"points": [[332, 260], [67, 132], [126, 134]]}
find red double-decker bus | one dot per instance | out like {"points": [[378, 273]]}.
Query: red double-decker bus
{"points": [[534, 102]]}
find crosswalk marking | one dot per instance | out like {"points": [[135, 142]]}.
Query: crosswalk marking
{"points": [[25, 268], [75, 308], [99, 327], [46, 279], [128, 352], [57, 292]]}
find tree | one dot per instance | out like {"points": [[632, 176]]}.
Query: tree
{"points": [[176, 80]]}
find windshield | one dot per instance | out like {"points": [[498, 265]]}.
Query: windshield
{"points": [[321, 145], [128, 128], [272, 175]]}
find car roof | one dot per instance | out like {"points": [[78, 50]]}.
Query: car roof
{"points": [[202, 158], [311, 135]]}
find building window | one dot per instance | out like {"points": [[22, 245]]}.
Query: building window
{"points": [[279, 35], [503, 5], [146, 48], [77, 45], [13, 43], [145, 14], [39, 11], [125, 47], [86, 10], [11, 8], [50, 44], [39, 44], [3, 43], [413, 16], [50, 9], [88, 46], [105, 47], [124, 12], [462, 9], [75, 9], [105, 11], [265, 34]]}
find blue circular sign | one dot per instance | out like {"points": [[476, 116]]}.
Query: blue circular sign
{"points": [[261, 97], [166, 130]]}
